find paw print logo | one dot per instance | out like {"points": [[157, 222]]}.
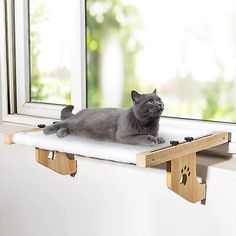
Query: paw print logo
{"points": [[185, 173]]}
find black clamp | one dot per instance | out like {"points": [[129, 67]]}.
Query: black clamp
{"points": [[41, 126], [188, 139], [174, 142]]}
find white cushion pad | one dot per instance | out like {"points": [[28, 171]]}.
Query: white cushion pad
{"points": [[100, 149]]}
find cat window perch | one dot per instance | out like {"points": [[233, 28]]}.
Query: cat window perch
{"points": [[179, 152]]}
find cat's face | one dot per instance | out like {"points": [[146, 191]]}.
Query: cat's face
{"points": [[148, 105]]}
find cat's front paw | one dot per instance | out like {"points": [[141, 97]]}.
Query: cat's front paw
{"points": [[160, 140], [151, 140]]}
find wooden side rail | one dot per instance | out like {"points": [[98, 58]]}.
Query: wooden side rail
{"points": [[181, 164], [8, 138], [153, 158]]}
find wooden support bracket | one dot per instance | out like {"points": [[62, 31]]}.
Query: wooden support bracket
{"points": [[181, 164], [182, 178], [60, 162]]}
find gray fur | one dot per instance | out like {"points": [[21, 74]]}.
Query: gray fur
{"points": [[137, 125]]}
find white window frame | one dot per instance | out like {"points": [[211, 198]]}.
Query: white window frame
{"points": [[22, 63], [31, 113]]}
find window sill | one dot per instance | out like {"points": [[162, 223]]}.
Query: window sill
{"points": [[27, 120]]}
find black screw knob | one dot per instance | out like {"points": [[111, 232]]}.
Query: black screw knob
{"points": [[41, 126], [188, 139], [174, 142]]}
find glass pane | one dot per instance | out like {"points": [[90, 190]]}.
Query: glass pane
{"points": [[186, 49], [51, 34]]}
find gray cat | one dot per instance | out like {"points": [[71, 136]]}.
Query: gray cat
{"points": [[137, 125]]}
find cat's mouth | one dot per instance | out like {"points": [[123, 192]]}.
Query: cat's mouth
{"points": [[160, 107], [158, 110]]}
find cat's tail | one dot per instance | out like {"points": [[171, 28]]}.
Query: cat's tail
{"points": [[67, 112], [51, 129]]}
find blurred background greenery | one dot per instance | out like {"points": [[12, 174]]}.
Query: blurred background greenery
{"points": [[50, 84], [186, 95], [118, 21]]}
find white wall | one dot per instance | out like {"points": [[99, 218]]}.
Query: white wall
{"points": [[109, 199]]}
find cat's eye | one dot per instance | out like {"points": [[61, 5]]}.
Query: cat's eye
{"points": [[150, 101]]}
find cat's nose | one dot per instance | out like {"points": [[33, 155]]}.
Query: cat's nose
{"points": [[161, 107]]}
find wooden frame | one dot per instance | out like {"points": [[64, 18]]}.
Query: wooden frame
{"points": [[180, 162], [153, 158]]}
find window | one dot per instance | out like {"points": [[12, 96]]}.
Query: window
{"points": [[56, 52], [47, 39], [185, 49]]}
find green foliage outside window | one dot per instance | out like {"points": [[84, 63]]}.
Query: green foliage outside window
{"points": [[121, 21], [45, 85]]}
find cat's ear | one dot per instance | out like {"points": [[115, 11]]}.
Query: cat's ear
{"points": [[155, 91], [135, 96]]}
